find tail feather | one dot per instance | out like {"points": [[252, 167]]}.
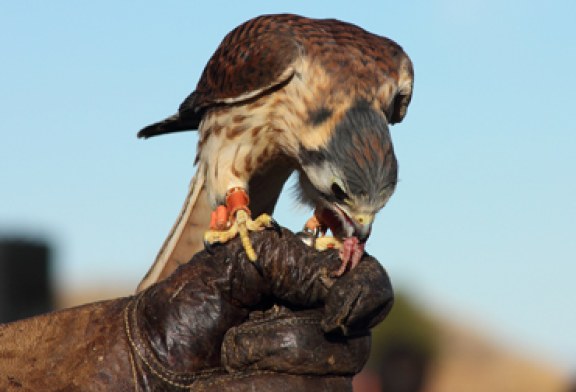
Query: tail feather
{"points": [[187, 235], [175, 123]]}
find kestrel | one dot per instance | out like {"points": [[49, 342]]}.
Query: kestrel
{"points": [[286, 93]]}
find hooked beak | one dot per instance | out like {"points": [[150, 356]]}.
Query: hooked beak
{"points": [[345, 225], [362, 226]]}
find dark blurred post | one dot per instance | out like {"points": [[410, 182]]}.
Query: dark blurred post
{"points": [[24, 279], [404, 368]]}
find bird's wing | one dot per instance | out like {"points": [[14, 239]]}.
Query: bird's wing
{"points": [[252, 59], [187, 234]]}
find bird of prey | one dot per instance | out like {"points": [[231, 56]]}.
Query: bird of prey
{"points": [[286, 93]]}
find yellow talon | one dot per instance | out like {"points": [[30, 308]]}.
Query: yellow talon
{"points": [[242, 226], [323, 243], [221, 236], [242, 222], [232, 219]]}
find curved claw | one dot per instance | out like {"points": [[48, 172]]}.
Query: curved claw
{"points": [[275, 226], [307, 238], [258, 267], [208, 246]]}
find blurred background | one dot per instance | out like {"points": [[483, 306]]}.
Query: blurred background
{"points": [[479, 239]]}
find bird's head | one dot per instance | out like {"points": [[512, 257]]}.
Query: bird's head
{"points": [[351, 178]]}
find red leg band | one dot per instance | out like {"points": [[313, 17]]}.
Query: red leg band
{"points": [[237, 199], [221, 213]]}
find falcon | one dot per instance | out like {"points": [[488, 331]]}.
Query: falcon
{"points": [[285, 93]]}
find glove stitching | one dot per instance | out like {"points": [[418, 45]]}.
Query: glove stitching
{"points": [[228, 377], [267, 324], [164, 374]]}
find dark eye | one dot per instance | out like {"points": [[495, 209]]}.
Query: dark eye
{"points": [[339, 192]]}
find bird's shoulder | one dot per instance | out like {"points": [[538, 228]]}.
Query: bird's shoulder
{"points": [[263, 54], [252, 59]]}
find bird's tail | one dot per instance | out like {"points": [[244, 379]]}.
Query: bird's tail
{"points": [[187, 235], [175, 123]]}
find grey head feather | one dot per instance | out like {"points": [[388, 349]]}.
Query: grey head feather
{"points": [[361, 150]]}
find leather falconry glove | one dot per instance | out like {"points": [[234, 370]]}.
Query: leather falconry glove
{"points": [[220, 322]]}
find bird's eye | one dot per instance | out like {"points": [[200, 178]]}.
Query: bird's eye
{"points": [[339, 192]]}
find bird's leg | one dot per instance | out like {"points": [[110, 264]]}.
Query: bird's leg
{"points": [[314, 227], [234, 219]]}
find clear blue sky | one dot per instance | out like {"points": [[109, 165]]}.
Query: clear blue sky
{"points": [[482, 224]]}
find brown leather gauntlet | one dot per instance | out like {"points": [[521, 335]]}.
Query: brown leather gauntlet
{"points": [[219, 322]]}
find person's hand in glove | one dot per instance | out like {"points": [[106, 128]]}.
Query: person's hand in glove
{"points": [[219, 322]]}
